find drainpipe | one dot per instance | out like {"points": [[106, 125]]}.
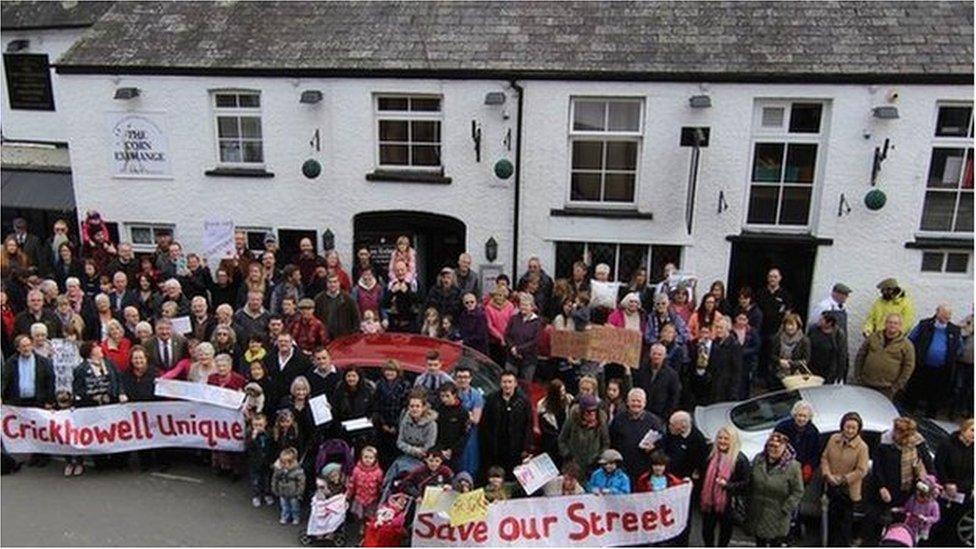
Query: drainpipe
{"points": [[518, 176]]}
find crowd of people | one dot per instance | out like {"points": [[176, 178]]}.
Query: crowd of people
{"points": [[261, 323]]}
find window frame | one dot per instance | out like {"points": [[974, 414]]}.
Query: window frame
{"points": [[945, 252], [966, 143], [237, 112], [152, 227], [781, 135], [262, 230], [605, 136], [408, 116], [615, 268]]}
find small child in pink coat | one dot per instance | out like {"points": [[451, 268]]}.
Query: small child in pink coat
{"points": [[363, 488], [405, 253]]}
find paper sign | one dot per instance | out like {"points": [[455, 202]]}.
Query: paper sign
{"points": [[199, 392], [536, 473], [65, 357], [604, 294], [181, 325], [600, 343], [218, 241], [469, 507], [437, 499], [321, 410], [357, 424], [649, 440]]}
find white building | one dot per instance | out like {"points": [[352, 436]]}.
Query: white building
{"points": [[226, 101]]}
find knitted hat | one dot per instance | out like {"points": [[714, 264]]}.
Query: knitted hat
{"points": [[610, 456]]}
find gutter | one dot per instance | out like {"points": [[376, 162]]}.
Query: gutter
{"points": [[518, 179]]}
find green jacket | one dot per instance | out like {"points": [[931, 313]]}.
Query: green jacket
{"points": [[886, 368], [583, 445], [774, 495]]}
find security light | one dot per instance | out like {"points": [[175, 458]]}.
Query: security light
{"points": [[886, 112], [311, 97], [494, 98], [700, 101], [126, 93]]}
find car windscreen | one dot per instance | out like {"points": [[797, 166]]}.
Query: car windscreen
{"points": [[485, 374], [764, 412]]}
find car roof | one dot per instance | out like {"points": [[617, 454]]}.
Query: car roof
{"points": [[410, 350], [831, 402]]}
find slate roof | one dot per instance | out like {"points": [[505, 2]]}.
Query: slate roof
{"points": [[835, 41], [24, 15]]}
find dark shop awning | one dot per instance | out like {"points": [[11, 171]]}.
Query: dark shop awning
{"points": [[37, 190]]}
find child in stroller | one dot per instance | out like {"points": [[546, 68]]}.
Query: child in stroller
{"points": [[387, 528], [327, 513]]}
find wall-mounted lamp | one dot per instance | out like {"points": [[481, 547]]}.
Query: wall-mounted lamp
{"points": [[126, 93], [328, 240], [886, 112], [15, 46], [700, 101], [310, 97], [494, 98], [491, 250]]}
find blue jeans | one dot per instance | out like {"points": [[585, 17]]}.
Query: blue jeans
{"points": [[291, 508]]}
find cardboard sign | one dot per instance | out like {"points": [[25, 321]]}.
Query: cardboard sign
{"points": [[437, 499], [469, 507], [569, 521], [218, 241], [600, 343], [121, 428]]}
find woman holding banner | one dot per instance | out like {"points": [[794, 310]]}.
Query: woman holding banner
{"points": [[96, 383]]}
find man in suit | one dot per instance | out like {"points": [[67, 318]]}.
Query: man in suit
{"points": [[284, 366], [121, 296], [28, 381], [32, 246], [165, 349]]}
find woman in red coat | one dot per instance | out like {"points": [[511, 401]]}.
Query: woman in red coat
{"points": [[116, 347]]}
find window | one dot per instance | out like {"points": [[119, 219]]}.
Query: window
{"points": [[255, 237], [784, 163], [238, 122], [408, 132], [605, 141], [143, 236], [623, 259], [945, 262], [948, 203]]}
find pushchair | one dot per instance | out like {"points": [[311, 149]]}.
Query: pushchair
{"points": [[335, 450], [326, 521], [898, 534], [388, 527]]}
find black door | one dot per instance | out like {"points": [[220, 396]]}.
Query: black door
{"points": [[288, 240], [752, 259], [438, 239]]}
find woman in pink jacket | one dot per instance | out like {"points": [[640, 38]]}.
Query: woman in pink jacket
{"points": [[498, 311]]}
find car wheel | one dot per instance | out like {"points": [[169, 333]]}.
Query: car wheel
{"points": [[964, 528]]}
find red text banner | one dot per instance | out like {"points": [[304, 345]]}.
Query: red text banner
{"points": [[121, 428], [587, 520]]}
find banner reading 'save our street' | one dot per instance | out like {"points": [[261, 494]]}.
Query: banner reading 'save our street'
{"points": [[587, 520], [121, 428]]}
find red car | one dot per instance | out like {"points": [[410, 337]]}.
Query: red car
{"points": [[369, 352]]}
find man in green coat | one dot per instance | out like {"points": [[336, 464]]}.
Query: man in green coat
{"points": [[886, 359], [775, 489]]}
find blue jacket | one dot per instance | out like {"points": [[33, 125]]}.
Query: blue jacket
{"points": [[654, 326], [615, 483]]}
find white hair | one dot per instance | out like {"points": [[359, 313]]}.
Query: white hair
{"points": [[71, 281], [682, 416], [222, 358], [38, 329], [637, 392], [144, 326], [198, 299], [800, 405], [173, 283], [602, 268], [205, 349], [101, 298]]}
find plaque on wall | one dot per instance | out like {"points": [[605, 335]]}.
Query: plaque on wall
{"points": [[28, 81]]}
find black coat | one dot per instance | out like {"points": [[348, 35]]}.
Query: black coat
{"points": [[447, 301], [320, 385], [725, 369], [348, 405], [626, 433], [83, 379], [452, 428], [43, 381], [281, 379], [663, 390], [827, 353], [139, 389], [403, 306], [773, 306], [886, 467], [954, 463], [504, 440], [24, 320], [688, 454]]}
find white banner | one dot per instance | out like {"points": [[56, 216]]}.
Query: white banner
{"points": [[199, 392], [588, 521], [218, 241], [121, 428], [65, 357]]}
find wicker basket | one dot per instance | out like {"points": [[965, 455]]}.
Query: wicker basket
{"points": [[802, 380]]}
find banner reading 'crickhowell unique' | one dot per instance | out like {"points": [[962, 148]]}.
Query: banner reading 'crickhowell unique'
{"points": [[121, 428], [586, 520]]}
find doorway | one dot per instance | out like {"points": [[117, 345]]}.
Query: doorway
{"points": [[288, 240], [438, 239], [752, 257]]}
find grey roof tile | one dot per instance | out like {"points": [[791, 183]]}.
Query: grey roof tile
{"points": [[21, 14]]}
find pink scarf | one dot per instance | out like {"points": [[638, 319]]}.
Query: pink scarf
{"points": [[714, 498]]}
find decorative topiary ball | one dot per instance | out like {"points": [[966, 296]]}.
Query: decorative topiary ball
{"points": [[504, 168], [311, 168], [875, 199]]}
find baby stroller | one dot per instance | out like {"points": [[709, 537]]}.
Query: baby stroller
{"points": [[388, 527], [335, 450], [326, 521], [898, 534]]}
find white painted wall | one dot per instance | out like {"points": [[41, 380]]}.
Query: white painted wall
{"points": [[868, 246], [346, 122], [38, 125]]}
